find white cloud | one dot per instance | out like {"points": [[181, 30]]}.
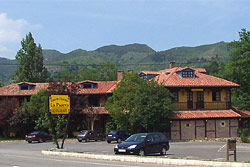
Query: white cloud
{"points": [[11, 33]]}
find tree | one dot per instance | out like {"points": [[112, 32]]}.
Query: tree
{"points": [[8, 106], [1, 83], [238, 69], [30, 59], [92, 114], [106, 71], [138, 105], [21, 121]]}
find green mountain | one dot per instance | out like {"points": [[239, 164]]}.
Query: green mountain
{"points": [[132, 56], [7, 69]]}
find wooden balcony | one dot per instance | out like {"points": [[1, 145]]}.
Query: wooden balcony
{"points": [[202, 106]]}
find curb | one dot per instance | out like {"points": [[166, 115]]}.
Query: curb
{"points": [[161, 161]]}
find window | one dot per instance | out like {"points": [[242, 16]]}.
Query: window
{"points": [[24, 87], [94, 101], [150, 138], [175, 96], [190, 96], [222, 123], [156, 137], [187, 74], [188, 125], [162, 137], [216, 95], [89, 85]]}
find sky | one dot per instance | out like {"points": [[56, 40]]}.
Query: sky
{"points": [[66, 25]]}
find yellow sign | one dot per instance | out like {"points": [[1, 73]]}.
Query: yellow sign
{"points": [[59, 104], [196, 90]]}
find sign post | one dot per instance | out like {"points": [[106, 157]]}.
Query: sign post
{"points": [[59, 104]]}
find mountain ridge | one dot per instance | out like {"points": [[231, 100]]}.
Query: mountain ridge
{"points": [[129, 56]]}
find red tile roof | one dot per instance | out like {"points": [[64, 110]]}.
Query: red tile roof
{"points": [[96, 110], [243, 113], [204, 114], [13, 89], [102, 87], [173, 79]]}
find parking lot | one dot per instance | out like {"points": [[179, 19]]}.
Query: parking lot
{"points": [[189, 150]]}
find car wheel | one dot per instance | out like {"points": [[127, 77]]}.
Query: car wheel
{"points": [[163, 151], [108, 141], [29, 141], [40, 140], [119, 140], [142, 152], [80, 140], [87, 140]]}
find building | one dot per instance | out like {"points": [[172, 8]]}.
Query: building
{"points": [[203, 103], [94, 93]]}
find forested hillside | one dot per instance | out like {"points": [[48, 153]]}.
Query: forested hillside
{"points": [[132, 56]]}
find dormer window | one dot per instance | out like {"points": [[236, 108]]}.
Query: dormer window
{"points": [[25, 86], [89, 85], [187, 74]]}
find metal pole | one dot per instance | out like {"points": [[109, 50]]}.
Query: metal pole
{"points": [[52, 125], [66, 129]]}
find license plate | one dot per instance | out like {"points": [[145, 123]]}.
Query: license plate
{"points": [[110, 135], [80, 138], [29, 137], [122, 150]]}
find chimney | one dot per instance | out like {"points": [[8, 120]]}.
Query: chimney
{"points": [[119, 75], [131, 71], [171, 64]]}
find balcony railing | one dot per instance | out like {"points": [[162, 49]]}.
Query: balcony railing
{"points": [[202, 106]]}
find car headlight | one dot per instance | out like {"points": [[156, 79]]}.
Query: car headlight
{"points": [[132, 146], [116, 146]]}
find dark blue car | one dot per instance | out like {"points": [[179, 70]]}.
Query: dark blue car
{"points": [[117, 135], [143, 144]]}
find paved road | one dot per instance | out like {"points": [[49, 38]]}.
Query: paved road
{"points": [[189, 150], [21, 154]]}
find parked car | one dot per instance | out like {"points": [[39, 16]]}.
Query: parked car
{"points": [[39, 136], [117, 135], [88, 135], [143, 144]]}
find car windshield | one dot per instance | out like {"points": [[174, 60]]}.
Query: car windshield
{"points": [[83, 132], [136, 138], [34, 133], [112, 132]]}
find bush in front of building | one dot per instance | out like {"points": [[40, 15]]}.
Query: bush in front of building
{"points": [[244, 135]]}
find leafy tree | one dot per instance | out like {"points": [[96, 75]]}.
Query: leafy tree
{"points": [[8, 106], [30, 58], [1, 83], [138, 105], [22, 122], [238, 69], [106, 71]]}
